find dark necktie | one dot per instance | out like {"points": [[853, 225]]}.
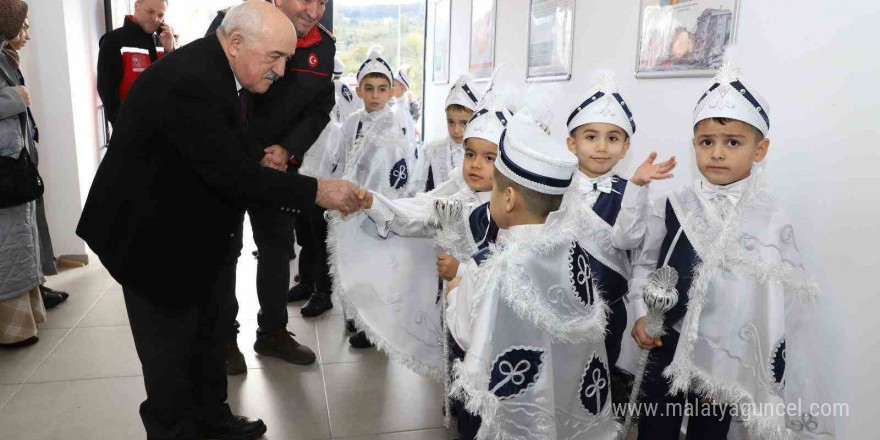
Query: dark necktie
{"points": [[243, 96]]}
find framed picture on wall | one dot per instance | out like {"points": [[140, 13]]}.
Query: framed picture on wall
{"points": [[442, 37], [482, 55], [684, 37], [551, 37]]}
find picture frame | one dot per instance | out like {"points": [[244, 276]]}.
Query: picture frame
{"points": [[684, 38], [551, 40], [481, 60], [442, 41]]}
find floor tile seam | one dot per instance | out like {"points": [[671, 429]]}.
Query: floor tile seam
{"points": [[84, 379], [323, 378], [9, 399], [63, 338], [388, 432]]}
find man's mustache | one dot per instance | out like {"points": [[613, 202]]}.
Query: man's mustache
{"points": [[271, 76]]}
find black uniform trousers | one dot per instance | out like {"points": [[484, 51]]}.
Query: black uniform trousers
{"points": [[614, 331], [311, 234], [705, 420], [468, 424], [182, 360], [273, 231]]}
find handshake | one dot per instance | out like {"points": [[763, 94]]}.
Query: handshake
{"points": [[343, 196]]}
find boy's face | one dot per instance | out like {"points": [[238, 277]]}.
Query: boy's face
{"points": [[399, 88], [479, 163], [376, 92], [598, 147], [726, 153], [456, 123]]}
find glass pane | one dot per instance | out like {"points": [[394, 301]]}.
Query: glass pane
{"points": [[396, 25]]}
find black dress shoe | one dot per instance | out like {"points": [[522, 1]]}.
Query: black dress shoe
{"points": [[43, 288], [235, 363], [360, 340], [300, 292], [27, 342], [319, 303], [51, 299], [283, 346], [349, 326], [233, 428]]}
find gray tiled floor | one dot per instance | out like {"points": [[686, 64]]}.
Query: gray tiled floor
{"points": [[83, 379]]}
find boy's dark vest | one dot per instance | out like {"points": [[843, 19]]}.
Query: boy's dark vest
{"points": [[684, 259], [612, 284]]}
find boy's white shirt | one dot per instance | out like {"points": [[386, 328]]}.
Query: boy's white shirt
{"points": [[523, 299], [404, 118], [629, 229], [751, 305], [645, 261], [441, 156], [371, 161], [323, 159], [346, 108]]}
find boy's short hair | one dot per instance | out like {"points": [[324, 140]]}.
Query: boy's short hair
{"points": [[458, 108], [537, 203], [376, 75], [725, 121]]}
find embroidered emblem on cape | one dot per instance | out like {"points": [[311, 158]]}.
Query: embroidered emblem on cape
{"points": [[313, 60], [346, 93], [515, 371], [777, 365], [595, 386], [580, 274], [399, 174]]}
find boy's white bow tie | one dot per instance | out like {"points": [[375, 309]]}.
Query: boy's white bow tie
{"points": [[601, 184], [730, 193]]}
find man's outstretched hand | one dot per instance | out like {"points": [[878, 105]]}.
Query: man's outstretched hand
{"points": [[340, 195]]}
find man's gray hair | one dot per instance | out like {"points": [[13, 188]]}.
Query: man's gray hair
{"points": [[246, 20]]}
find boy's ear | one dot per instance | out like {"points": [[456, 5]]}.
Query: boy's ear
{"points": [[761, 151], [357, 91], [572, 145], [509, 199], [625, 147]]}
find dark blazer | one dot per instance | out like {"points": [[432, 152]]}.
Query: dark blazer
{"points": [[178, 173]]}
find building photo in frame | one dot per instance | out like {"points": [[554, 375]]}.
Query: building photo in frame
{"points": [[551, 37], [442, 36], [684, 37], [482, 55]]}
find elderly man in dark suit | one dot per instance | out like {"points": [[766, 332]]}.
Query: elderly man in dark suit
{"points": [[177, 175]]}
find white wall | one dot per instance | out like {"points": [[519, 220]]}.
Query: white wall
{"points": [[817, 64], [59, 66]]}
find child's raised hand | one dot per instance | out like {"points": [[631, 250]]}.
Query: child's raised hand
{"points": [[365, 198], [641, 337], [649, 171], [447, 266]]}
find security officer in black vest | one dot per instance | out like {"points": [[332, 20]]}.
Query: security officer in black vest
{"points": [[287, 120]]}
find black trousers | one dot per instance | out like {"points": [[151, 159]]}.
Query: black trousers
{"points": [[468, 424], [182, 360], [705, 420], [273, 234], [614, 331], [311, 233]]}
